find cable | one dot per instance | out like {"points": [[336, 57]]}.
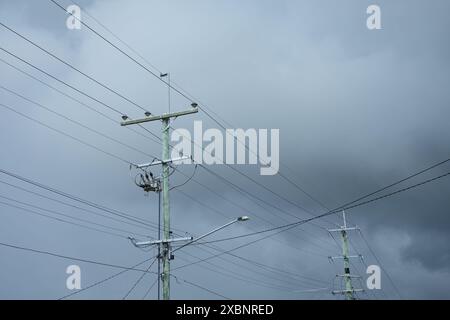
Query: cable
{"points": [[75, 122], [61, 81], [200, 287], [149, 289], [68, 216], [72, 67], [270, 269], [76, 100], [344, 207], [189, 179], [139, 279], [73, 206], [62, 220], [228, 217], [74, 258], [78, 199], [175, 89], [293, 225], [116, 47], [247, 279], [73, 88], [380, 264], [102, 281], [67, 135]]}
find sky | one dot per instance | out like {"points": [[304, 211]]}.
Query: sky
{"points": [[357, 109]]}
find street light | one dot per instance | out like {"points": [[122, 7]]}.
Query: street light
{"points": [[240, 219], [167, 243], [189, 239]]}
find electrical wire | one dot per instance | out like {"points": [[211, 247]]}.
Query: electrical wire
{"points": [[139, 279], [72, 67], [95, 284], [66, 134], [116, 266], [76, 100], [83, 201], [187, 181]]}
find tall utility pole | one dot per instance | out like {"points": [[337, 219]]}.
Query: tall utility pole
{"points": [[165, 163], [349, 290]]}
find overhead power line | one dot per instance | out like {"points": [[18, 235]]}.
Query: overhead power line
{"points": [[72, 67], [66, 134], [151, 138], [97, 283], [139, 279], [293, 225], [81, 200], [56, 255], [62, 220], [179, 92], [68, 216], [200, 287]]}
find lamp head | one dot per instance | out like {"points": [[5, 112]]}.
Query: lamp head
{"points": [[124, 117], [243, 218]]}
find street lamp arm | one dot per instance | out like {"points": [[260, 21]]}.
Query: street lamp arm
{"points": [[244, 218]]}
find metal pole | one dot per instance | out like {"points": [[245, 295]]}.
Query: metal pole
{"points": [[169, 86], [347, 277], [165, 162], [166, 210]]}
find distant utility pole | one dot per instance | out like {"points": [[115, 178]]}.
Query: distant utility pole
{"points": [[165, 163], [349, 290]]}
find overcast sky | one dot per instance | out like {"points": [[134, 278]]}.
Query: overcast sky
{"points": [[357, 109]]}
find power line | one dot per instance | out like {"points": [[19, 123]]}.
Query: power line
{"points": [[66, 134], [61, 81], [72, 67], [116, 47], [150, 288], [344, 207], [73, 206], [293, 225], [73, 258], [200, 287], [95, 284], [78, 199], [74, 121], [179, 92], [62, 220], [381, 266], [116, 110], [72, 87], [139, 279], [75, 99], [217, 269], [66, 215], [224, 215]]}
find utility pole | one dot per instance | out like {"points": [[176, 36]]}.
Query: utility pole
{"points": [[349, 290], [165, 163]]}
